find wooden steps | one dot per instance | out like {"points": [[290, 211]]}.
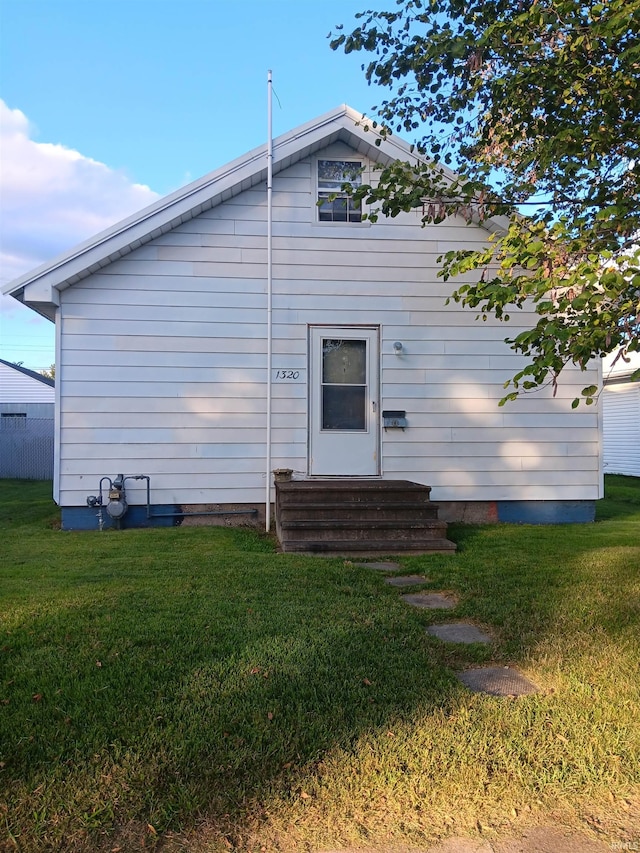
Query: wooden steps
{"points": [[359, 517]]}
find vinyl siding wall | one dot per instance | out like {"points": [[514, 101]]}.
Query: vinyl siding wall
{"points": [[621, 415], [18, 388], [163, 361], [26, 443]]}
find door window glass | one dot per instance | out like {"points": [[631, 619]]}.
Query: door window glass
{"points": [[344, 384]]}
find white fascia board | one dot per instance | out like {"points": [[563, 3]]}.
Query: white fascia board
{"points": [[45, 309], [39, 291], [117, 241], [344, 123], [167, 213]]}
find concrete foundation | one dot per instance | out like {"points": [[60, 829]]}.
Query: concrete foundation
{"points": [[253, 515]]}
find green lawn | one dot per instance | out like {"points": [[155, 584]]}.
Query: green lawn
{"points": [[190, 686]]}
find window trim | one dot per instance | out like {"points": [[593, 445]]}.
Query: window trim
{"points": [[316, 195]]}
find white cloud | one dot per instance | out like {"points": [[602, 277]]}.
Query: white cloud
{"points": [[52, 197]]}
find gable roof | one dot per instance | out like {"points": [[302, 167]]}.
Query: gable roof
{"points": [[46, 380], [40, 288]]}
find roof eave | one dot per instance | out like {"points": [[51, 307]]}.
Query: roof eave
{"points": [[38, 285], [39, 289]]}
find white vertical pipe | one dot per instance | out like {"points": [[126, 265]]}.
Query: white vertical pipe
{"points": [[269, 295]]}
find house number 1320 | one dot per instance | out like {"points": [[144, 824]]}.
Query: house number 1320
{"points": [[287, 374]]}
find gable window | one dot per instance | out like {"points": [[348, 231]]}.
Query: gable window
{"points": [[332, 174]]}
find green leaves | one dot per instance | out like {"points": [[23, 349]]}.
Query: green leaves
{"points": [[539, 108], [588, 393], [585, 307]]}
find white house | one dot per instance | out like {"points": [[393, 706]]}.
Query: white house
{"points": [[621, 416], [163, 352], [26, 423]]}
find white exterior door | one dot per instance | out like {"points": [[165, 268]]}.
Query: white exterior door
{"points": [[343, 402]]}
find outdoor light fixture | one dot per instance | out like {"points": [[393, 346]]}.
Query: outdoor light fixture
{"points": [[398, 348]]}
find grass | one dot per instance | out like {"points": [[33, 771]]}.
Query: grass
{"points": [[192, 689]]}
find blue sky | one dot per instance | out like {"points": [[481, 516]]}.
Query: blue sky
{"points": [[108, 104]]}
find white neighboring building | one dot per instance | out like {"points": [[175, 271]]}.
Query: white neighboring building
{"points": [[161, 352], [27, 402], [620, 401]]}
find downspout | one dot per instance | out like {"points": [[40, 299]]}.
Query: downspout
{"points": [[269, 297], [57, 407]]}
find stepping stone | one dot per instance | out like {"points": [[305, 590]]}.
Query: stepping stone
{"points": [[382, 566], [497, 681], [458, 632], [406, 580], [430, 600]]}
